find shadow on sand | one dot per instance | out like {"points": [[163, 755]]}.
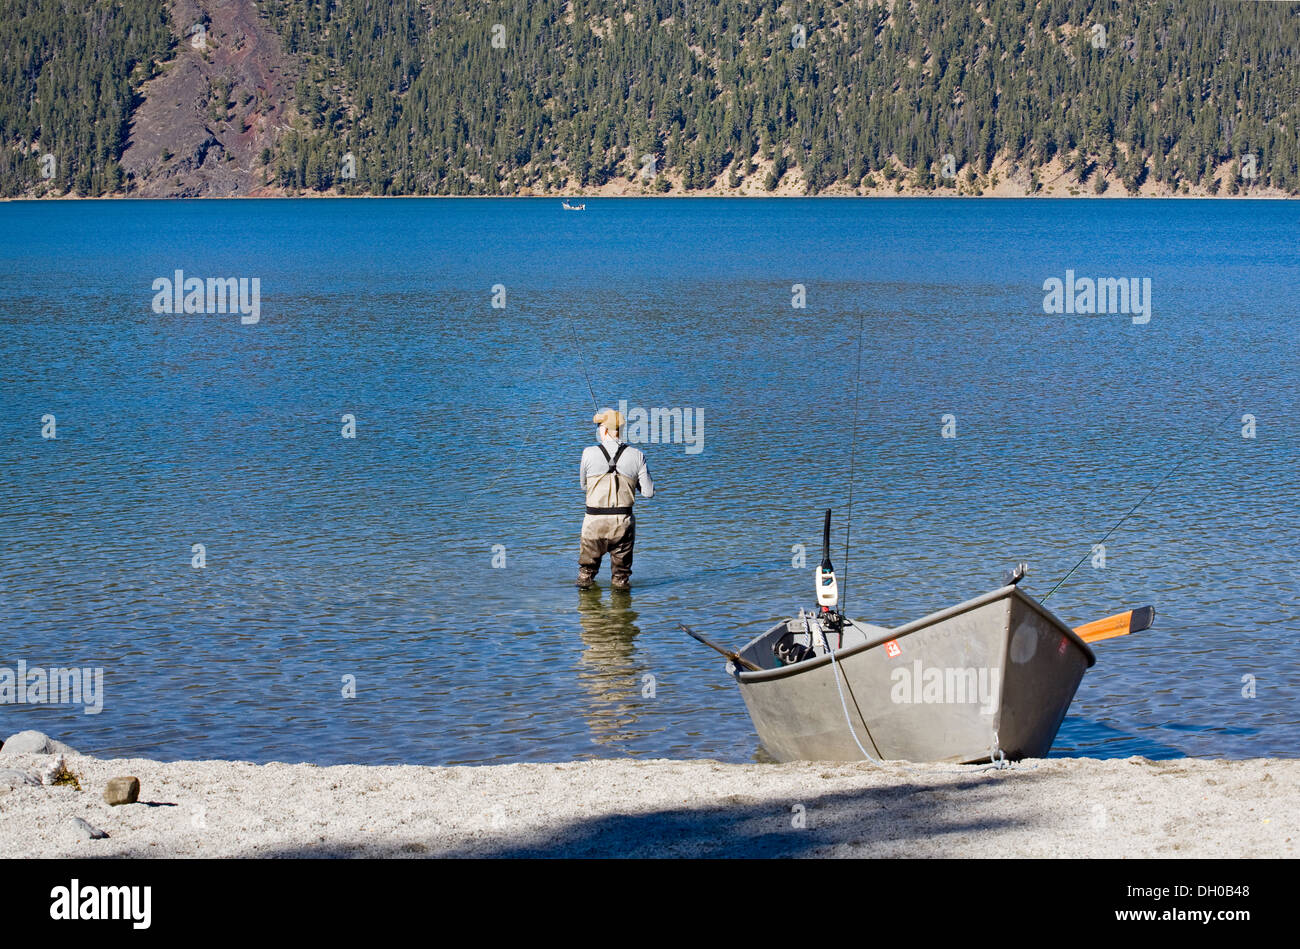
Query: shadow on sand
{"points": [[871, 821]]}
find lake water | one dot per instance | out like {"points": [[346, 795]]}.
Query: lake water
{"points": [[372, 557]]}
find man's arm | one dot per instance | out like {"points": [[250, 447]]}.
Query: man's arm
{"points": [[643, 481]]}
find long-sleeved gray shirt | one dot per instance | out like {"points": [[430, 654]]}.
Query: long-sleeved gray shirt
{"points": [[631, 465]]}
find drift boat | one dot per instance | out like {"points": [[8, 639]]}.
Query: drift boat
{"points": [[988, 679]]}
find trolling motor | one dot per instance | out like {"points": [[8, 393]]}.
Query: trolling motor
{"points": [[826, 619]]}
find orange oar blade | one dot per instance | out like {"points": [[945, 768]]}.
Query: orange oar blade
{"points": [[1121, 624]]}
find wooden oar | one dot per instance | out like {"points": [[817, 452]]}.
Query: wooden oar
{"points": [[734, 657], [1121, 624]]}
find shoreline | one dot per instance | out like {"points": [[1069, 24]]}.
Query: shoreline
{"points": [[687, 196], [1055, 807]]}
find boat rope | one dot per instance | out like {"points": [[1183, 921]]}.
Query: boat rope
{"points": [[837, 672], [1191, 451], [997, 757], [853, 454]]}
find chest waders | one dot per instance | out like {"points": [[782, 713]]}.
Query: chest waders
{"points": [[611, 493], [609, 527]]}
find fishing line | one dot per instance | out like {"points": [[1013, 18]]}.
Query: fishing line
{"points": [[1191, 451], [539, 419], [853, 454], [836, 671], [554, 353], [582, 362]]}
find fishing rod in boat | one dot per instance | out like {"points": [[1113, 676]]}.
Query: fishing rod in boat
{"points": [[1167, 475], [828, 592], [831, 616], [853, 457]]}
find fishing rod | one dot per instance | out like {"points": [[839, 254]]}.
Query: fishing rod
{"points": [[853, 454], [1191, 451]]}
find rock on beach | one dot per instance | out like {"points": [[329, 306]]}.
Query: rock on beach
{"points": [[125, 790], [34, 743]]}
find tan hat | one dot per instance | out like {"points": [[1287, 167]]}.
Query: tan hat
{"points": [[612, 419]]}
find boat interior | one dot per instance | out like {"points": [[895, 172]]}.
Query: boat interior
{"points": [[798, 640]]}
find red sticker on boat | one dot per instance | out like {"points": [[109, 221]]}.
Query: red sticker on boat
{"points": [[1061, 648], [892, 648]]}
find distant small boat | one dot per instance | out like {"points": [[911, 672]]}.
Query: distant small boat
{"points": [[574, 207]]}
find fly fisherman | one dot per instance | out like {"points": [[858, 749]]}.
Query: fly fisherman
{"points": [[611, 474]]}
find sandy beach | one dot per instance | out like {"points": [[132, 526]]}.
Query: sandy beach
{"points": [[657, 808]]}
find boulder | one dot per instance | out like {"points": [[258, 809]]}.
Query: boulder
{"points": [[125, 790], [26, 743], [34, 743]]}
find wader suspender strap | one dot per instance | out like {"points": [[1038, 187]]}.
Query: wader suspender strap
{"points": [[613, 470]]}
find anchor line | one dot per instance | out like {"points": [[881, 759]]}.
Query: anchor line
{"points": [[1165, 477]]}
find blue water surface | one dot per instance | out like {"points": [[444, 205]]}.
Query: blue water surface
{"points": [[367, 564]]}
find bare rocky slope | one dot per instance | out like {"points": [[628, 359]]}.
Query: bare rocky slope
{"points": [[201, 126]]}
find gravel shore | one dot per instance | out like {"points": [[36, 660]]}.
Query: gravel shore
{"points": [[636, 808]]}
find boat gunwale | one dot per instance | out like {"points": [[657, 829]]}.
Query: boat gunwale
{"points": [[746, 676]]}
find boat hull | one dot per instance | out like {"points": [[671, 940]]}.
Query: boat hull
{"points": [[992, 676]]}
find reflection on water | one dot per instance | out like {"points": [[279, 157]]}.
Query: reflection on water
{"points": [[608, 669]]}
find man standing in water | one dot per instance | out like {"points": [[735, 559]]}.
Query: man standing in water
{"points": [[611, 474]]}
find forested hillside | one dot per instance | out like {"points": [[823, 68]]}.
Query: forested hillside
{"points": [[69, 70], [463, 97]]}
